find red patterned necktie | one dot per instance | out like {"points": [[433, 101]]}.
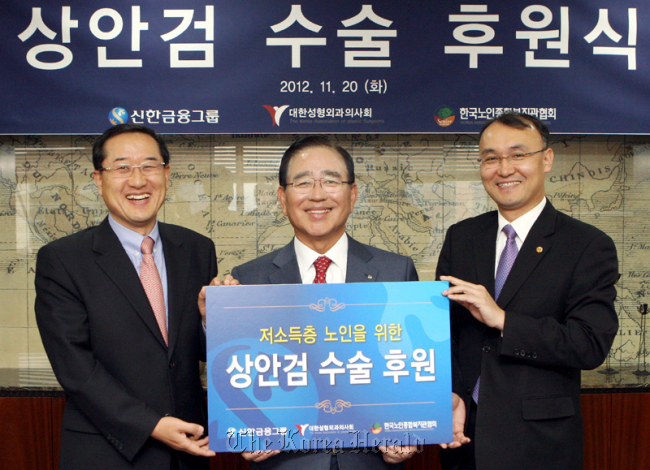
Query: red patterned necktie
{"points": [[152, 285], [321, 264]]}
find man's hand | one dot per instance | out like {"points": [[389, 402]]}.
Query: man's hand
{"points": [[477, 300], [458, 416], [259, 455], [227, 281], [397, 454], [181, 435]]}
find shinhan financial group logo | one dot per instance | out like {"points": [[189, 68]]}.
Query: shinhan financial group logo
{"points": [[276, 112], [444, 116], [118, 116], [302, 428]]}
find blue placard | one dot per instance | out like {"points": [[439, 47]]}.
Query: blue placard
{"points": [[322, 366]]}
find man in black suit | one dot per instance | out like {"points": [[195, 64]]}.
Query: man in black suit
{"points": [[132, 383], [517, 360], [317, 193]]}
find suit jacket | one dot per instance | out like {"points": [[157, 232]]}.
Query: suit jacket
{"points": [[365, 264], [560, 318], [108, 354]]}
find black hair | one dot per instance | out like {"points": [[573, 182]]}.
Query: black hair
{"points": [[519, 121], [314, 141], [98, 147]]}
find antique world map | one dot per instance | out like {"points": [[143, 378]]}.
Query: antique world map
{"points": [[411, 189]]}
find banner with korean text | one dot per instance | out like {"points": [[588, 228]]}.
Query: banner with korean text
{"points": [[328, 366], [317, 66]]}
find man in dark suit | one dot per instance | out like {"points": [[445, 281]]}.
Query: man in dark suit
{"points": [[121, 327], [317, 193], [517, 360]]}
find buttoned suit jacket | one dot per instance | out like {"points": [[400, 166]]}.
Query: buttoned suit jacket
{"points": [[560, 319], [107, 351], [365, 264]]}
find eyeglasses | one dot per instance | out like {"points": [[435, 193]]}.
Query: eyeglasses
{"points": [[124, 170], [330, 184], [492, 161]]}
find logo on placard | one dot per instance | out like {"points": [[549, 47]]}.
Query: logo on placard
{"points": [[231, 432], [376, 428], [444, 116], [276, 112], [118, 116], [302, 428]]}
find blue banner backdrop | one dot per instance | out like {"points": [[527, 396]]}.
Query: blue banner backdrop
{"points": [[322, 366], [276, 66]]}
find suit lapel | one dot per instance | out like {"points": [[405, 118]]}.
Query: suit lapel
{"points": [[535, 247], [286, 267], [359, 269], [177, 262], [485, 239], [114, 261]]}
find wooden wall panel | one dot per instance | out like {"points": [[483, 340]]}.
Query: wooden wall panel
{"points": [[428, 459], [227, 461], [58, 405], [597, 420], [26, 433], [630, 447]]}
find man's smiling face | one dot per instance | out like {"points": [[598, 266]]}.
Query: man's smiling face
{"points": [[133, 201], [318, 217], [516, 188]]}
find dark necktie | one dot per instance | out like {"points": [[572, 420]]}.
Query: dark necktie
{"points": [[507, 259], [321, 264], [152, 285]]}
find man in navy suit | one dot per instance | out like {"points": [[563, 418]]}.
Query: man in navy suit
{"points": [[317, 193], [517, 359], [132, 379]]}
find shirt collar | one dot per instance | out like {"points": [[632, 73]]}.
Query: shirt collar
{"points": [[524, 223], [306, 256], [132, 241]]}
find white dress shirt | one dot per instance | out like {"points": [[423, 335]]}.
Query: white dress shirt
{"points": [[337, 269], [522, 226]]}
